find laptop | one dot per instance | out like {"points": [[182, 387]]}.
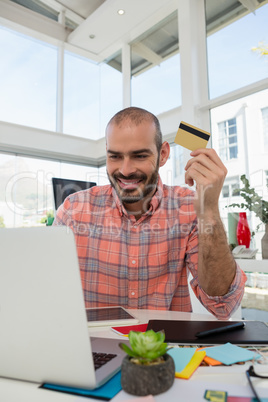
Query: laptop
{"points": [[44, 329]]}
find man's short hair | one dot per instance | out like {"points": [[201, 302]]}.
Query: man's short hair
{"points": [[137, 115]]}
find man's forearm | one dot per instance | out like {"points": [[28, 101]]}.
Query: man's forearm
{"points": [[216, 266]]}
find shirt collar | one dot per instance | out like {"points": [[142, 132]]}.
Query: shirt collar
{"points": [[154, 204]]}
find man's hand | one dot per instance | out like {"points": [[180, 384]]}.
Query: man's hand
{"points": [[208, 171], [216, 266]]}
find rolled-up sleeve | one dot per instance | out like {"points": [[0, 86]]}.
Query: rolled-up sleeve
{"points": [[222, 306]]}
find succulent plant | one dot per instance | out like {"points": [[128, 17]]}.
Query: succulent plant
{"points": [[146, 347]]}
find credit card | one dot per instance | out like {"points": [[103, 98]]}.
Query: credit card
{"points": [[191, 137]]}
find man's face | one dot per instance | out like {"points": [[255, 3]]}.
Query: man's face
{"points": [[132, 160]]}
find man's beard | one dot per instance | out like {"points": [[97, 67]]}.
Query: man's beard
{"points": [[130, 196]]}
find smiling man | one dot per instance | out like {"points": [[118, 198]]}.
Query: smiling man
{"points": [[134, 154], [138, 239]]}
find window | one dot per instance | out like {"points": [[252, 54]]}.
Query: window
{"points": [[231, 60], [92, 95], [247, 131], [225, 191], [28, 81], [228, 147], [159, 88], [26, 189], [178, 160], [264, 112], [155, 67], [231, 187]]}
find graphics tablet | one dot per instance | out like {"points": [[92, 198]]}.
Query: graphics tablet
{"points": [[115, 315], [184, 332]]}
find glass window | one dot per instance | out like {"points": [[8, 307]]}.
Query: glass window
{"points": [[231, 61], [231, 187], [264, 112], [28, 81], [81, 97], [92, 95], [26, 194], [177, 155], [159, 88], [235, 188], [225, 191], [244, 133], [111, 94], [228, 148]]}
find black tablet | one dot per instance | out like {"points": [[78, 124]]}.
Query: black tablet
{"points": [[115, 315]]}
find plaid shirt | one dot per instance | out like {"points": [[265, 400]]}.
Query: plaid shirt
{"points": [[144, 263]]}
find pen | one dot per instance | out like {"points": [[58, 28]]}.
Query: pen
{"points": [[219, 330]]}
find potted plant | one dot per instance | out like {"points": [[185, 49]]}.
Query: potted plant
{"points": [[147, 369], [255, 203], [48, 219]]}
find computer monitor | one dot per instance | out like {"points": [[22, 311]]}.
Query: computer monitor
{"points": [[64, 187]]}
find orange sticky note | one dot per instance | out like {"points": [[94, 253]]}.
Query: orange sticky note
{"points": [[209, 360]]}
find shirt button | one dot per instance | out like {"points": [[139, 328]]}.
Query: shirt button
{"points": [[133, 261], [133, 293]]}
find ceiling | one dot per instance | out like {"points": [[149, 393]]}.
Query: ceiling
{"points": [[94, 27]]}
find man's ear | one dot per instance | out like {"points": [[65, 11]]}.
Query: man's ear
{"points": [[164, 153]]}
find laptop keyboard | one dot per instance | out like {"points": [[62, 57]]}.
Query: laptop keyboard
{"points": [[102, 358]]}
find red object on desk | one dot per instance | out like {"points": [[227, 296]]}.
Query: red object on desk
{"points": [[243, 232], [124, 330]]}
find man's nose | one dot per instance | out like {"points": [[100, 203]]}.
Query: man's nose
{"points": [[127, 167]]}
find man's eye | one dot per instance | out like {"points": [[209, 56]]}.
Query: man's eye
{"points": [[141, 156], [114, 157]]}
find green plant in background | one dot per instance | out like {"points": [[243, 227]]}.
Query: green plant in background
{"points": [[253, 202], [49, 216], [2, 224], [146, 348]]}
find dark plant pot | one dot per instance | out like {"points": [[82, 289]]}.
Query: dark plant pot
{"points": [[144, 380]]}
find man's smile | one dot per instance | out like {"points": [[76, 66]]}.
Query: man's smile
{"points": [[129, 184]]}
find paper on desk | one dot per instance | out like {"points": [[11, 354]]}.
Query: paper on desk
{"points": [[181, 357], [186, 361], [125, 329], [230, 354]]}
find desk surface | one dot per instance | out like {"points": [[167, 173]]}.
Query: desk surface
{"points": [[230, 379]]}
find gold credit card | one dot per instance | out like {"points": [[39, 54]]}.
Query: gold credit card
{"points": [[191, 137]]}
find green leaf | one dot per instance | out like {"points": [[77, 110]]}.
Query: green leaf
{"points": [[127, 350]]}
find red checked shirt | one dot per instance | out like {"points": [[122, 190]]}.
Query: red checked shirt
{"points": [[144, 263]]}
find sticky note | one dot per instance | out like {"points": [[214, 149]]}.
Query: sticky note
{"points": [[230, 354], [181, 357], [186, 361], [209, 360], [191, 137], [216, 396], [195, 362]]}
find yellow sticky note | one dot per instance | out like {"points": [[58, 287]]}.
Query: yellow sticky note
{"points": [[191, 366], [191, 137]]}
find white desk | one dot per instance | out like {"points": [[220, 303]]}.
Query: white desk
{"points": [[252, 265], [230, 379]]}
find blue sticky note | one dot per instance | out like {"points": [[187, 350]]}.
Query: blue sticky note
{"points": [[181, 357], [106, 391], [230, 354]]}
